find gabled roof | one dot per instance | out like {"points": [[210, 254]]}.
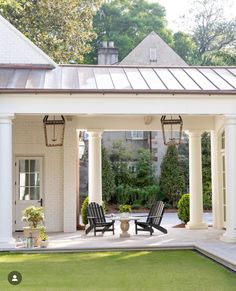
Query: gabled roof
{"points": [[165, 55], [17, 49], [118, 79]]}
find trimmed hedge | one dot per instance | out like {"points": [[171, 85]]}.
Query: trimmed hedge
{"points": [[84, 211], [183, 208]]}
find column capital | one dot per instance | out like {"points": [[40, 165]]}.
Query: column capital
{"points": [[194, 132], [6, 117], [95, 132], [230, 119]]}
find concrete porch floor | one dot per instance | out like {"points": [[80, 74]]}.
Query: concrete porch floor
{"points": [[205, 241]]}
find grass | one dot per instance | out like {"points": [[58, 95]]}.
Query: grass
{"points": [[137, 270]]}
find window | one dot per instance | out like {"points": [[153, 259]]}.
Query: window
{"points": [[223, 140], [29, 179], [153, 54], [137, 134]]}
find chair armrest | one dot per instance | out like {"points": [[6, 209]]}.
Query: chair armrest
{"points": [[92, 217]]}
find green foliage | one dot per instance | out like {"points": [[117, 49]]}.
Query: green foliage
{"points": [[172, 182], [120, 157], [144, 170], [33, 216], [62, 29], [127, 22], [124, 208], [206, 158], [108, 179], [84, 211], [185, 47], [138, 196], [183, 208], [42, 234], [183, 153], [207, 195]]}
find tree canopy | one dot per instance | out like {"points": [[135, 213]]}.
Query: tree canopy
{"points": [[127, 22], [213, 34], [61, 28]]}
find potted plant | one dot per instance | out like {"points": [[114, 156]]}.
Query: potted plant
{"points": [[43, 238], [34, 217], [125, 210]]}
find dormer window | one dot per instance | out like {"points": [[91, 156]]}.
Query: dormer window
{"points": [[153, 54]]}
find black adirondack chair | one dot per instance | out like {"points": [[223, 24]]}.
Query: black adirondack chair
{"points": [[97, 219], [153, 219]]}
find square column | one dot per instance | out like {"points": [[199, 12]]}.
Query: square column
{"points": [[195, 181], [6, 239], [95, 166], [230, 175], [69, 155]]}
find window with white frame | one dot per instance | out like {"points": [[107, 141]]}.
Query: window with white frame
{"points": [[137, 134], [29, 179]]}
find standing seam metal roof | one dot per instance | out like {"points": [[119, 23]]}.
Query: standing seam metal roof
{"points": [[119, 78]]}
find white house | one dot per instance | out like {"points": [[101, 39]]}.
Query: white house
{"points": [[97, 99]]}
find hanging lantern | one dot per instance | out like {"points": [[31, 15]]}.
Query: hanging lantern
{"points": [[54, 131], [172, 130]]}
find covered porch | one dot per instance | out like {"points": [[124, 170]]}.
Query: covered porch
{"points": [[97, 99]]}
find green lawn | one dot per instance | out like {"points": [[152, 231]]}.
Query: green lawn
{"points": [[137, 270]]}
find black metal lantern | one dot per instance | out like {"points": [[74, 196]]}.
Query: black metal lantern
{"points": [[54, 129], [173, 128]]}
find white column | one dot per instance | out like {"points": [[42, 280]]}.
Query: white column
{"points": [[95, 166], [195, 181], [230, 175], [6, 180], [216, 205]]}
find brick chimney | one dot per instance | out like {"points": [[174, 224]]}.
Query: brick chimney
{"points": [[107, 53]]}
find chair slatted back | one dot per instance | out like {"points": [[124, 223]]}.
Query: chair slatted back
{"points": [[95, 210], [157, 209]]}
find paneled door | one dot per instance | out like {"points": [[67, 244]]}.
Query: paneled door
{"points": [[28, 186]]}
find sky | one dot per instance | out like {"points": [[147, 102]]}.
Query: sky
{"points": [[176, 8]]}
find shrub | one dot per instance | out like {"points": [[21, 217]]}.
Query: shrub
{"points": [[183, 208], [84, 211], [133, 195], [125, 208], [33, 216]]}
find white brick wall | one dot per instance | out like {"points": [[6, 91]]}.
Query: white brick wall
{"points": [[28, 140]]}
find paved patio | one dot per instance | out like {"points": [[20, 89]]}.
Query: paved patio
{"points": [[206, 241]]}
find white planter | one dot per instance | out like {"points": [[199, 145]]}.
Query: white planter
{"points": [[125, 214], [44, 243]]}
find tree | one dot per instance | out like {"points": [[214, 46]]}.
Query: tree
{"points": [[171, 179], [61, 28], [212, 31], [185, 47], [120, 157], [127, 22], [108, 180], [144, 169]]}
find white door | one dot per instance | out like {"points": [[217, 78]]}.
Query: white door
{"points": [[28, 186]]}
